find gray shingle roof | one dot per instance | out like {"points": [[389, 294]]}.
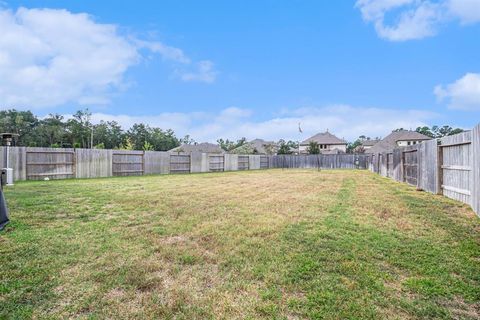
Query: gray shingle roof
{"points": [[324, 138], [390, 141], [256, 146], [369, 143], [200, 147]]}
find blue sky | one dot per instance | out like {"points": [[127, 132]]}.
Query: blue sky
{"points": [[246, 68]]}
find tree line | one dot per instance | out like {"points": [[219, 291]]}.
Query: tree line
{"points": [[79, 132], [56, 131]]}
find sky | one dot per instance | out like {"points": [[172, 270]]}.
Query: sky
{"points": [[254, 69]]}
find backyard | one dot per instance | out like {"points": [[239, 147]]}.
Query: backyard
{"points": [[282, 244]]}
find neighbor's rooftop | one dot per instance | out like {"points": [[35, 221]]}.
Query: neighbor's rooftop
{"points": [[324, 138]]}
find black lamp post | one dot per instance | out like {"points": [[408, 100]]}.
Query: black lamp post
{"points": [[3, 204]]}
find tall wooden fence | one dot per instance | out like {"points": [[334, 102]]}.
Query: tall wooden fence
{"points": [[322, 161], [449, 166], [57, 163]]}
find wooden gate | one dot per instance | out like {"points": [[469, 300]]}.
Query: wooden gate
{"points": [[50, 163], [456, 167], [216, 163], [410, 166], [243, 162], [180, 163], [127, 163]]}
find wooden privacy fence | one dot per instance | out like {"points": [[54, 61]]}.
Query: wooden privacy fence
{"points": [[322, 161], [41, 163], [449, 166]]}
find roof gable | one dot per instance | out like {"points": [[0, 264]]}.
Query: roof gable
{"points": [[390, 141], [200, 147], [324, 138]]}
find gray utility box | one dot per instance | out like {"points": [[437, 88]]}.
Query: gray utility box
{"points": [[8, 176]]}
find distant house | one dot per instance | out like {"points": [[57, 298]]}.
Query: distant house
{"points": [[257, 146], [204, 147], [366, 145], [328, 143], [399, 138]]}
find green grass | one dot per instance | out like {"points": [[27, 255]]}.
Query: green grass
{"points": [[292, 244]]}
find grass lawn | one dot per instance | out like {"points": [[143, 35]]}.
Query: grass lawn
{"points": [[274, 244]]}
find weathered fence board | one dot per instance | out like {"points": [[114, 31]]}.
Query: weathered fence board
{"points": [[456, 167], [216, 163], [264, 162], [449, 166], [156, 162], [17, 161], [398, 165], [243, 162], [42, 163], [180, 163], [93, 163], [199, 162], [231, 162], [475, 176], [254, 162], [322, 161], [127, 163], [410, 165], [428, 166], [389, 159]]}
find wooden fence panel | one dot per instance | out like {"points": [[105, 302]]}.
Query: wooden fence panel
{"points": [[127, 163], [457, 167], [180, 163], [254, 162], [17, 161], [389, 159], [50, 163], [93, 163], [410, 165], [243, 162], [383, 164], [216, 163], [323, 161], [230, 162], [397, 165], [156, 162], [475, 176], [428, 166], [264, 163]]}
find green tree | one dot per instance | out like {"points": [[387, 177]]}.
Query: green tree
{"points": [[22, 123], [80, 128], [286, 147], [51, 132], [229, 145], [425, 131], [109, 133], [313, 147], [147, 146], [187, 140], [438, 132], [352, 146]]}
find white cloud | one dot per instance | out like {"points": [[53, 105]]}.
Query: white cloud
{"points": [[205, 73], [345, 121], [463, 94], [167, 52], [468, 11], [416, 19], [50, 57]]}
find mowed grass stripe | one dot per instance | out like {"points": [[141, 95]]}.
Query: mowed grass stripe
{"points": [[285, 244]]}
